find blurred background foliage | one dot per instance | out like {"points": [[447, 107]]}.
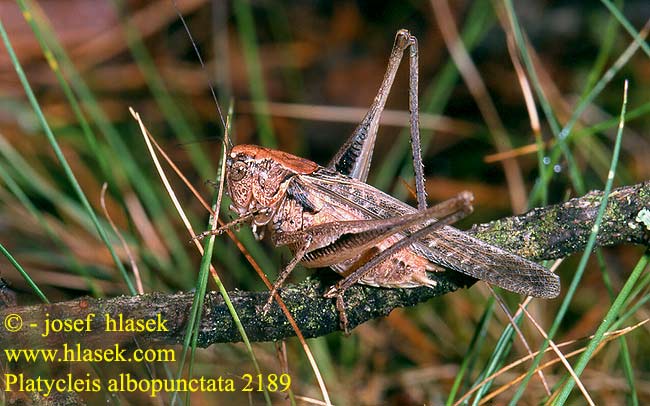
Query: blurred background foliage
{"points": [[300, 76]]}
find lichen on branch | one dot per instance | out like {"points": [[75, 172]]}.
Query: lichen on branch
{"points": [[549, 232]]}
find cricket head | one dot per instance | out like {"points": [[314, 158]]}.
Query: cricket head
{"points": [[257, 179]]}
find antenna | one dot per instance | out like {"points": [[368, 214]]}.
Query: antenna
{"points": [[198, 55]]}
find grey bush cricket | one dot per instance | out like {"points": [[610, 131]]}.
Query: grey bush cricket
{"points": [[329, 217]]}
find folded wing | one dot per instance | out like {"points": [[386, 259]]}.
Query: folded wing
{"points": [[447, 247]]}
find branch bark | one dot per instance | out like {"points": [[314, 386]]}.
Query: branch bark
{"points": [[543, 233]]}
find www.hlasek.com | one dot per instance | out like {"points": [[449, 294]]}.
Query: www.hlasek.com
{"points": [[77, 353]]}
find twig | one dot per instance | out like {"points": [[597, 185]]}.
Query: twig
{"points": [[543, 233]]}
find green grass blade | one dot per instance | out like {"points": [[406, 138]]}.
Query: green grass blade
{"points": [[637, 112], [170, 108], [583, 260], [141, 183], [33, 180], [605, 325], [631, 312], [497, 358], [34, 212], [193, 326], [625, 357], [246, 27], [397, 163], [628, 370], [88, 133], [604, 53], [475, 346], [180, 126], [629, 284], [59, 154], [626, 24], [22, 271], [585, 101], [560, 136]]}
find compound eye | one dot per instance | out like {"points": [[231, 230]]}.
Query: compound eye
{"points": [[238, 171]]}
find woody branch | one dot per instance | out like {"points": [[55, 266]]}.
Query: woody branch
{"points": [[548, 232]]}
